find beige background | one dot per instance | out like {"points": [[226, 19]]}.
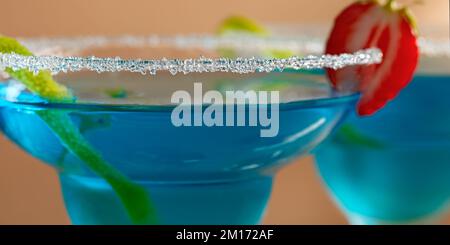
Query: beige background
{"points": [[29, 190]]}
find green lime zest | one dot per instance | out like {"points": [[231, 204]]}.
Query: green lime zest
{"points": [[349, 134], [240, 24], [134, 198], [92, 122], [117, 93]]}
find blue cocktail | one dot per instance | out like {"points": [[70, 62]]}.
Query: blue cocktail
{"points": [[195, 175], [394, 167]]}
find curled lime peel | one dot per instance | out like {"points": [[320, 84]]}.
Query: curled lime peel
{"points": [[40, 83], [134, 198]]}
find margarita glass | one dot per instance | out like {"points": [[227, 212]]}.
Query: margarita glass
{"points": [[394, 167], [190, 175]]}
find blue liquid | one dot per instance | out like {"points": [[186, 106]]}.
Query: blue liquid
{"points": [[405, 177], [193, 175]]}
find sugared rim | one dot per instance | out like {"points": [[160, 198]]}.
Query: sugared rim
{"points": [[434, 47], [241, 65], [297, 44], [432, 43]]}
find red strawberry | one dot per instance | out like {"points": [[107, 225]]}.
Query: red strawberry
{"points": [[368, 24]]}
